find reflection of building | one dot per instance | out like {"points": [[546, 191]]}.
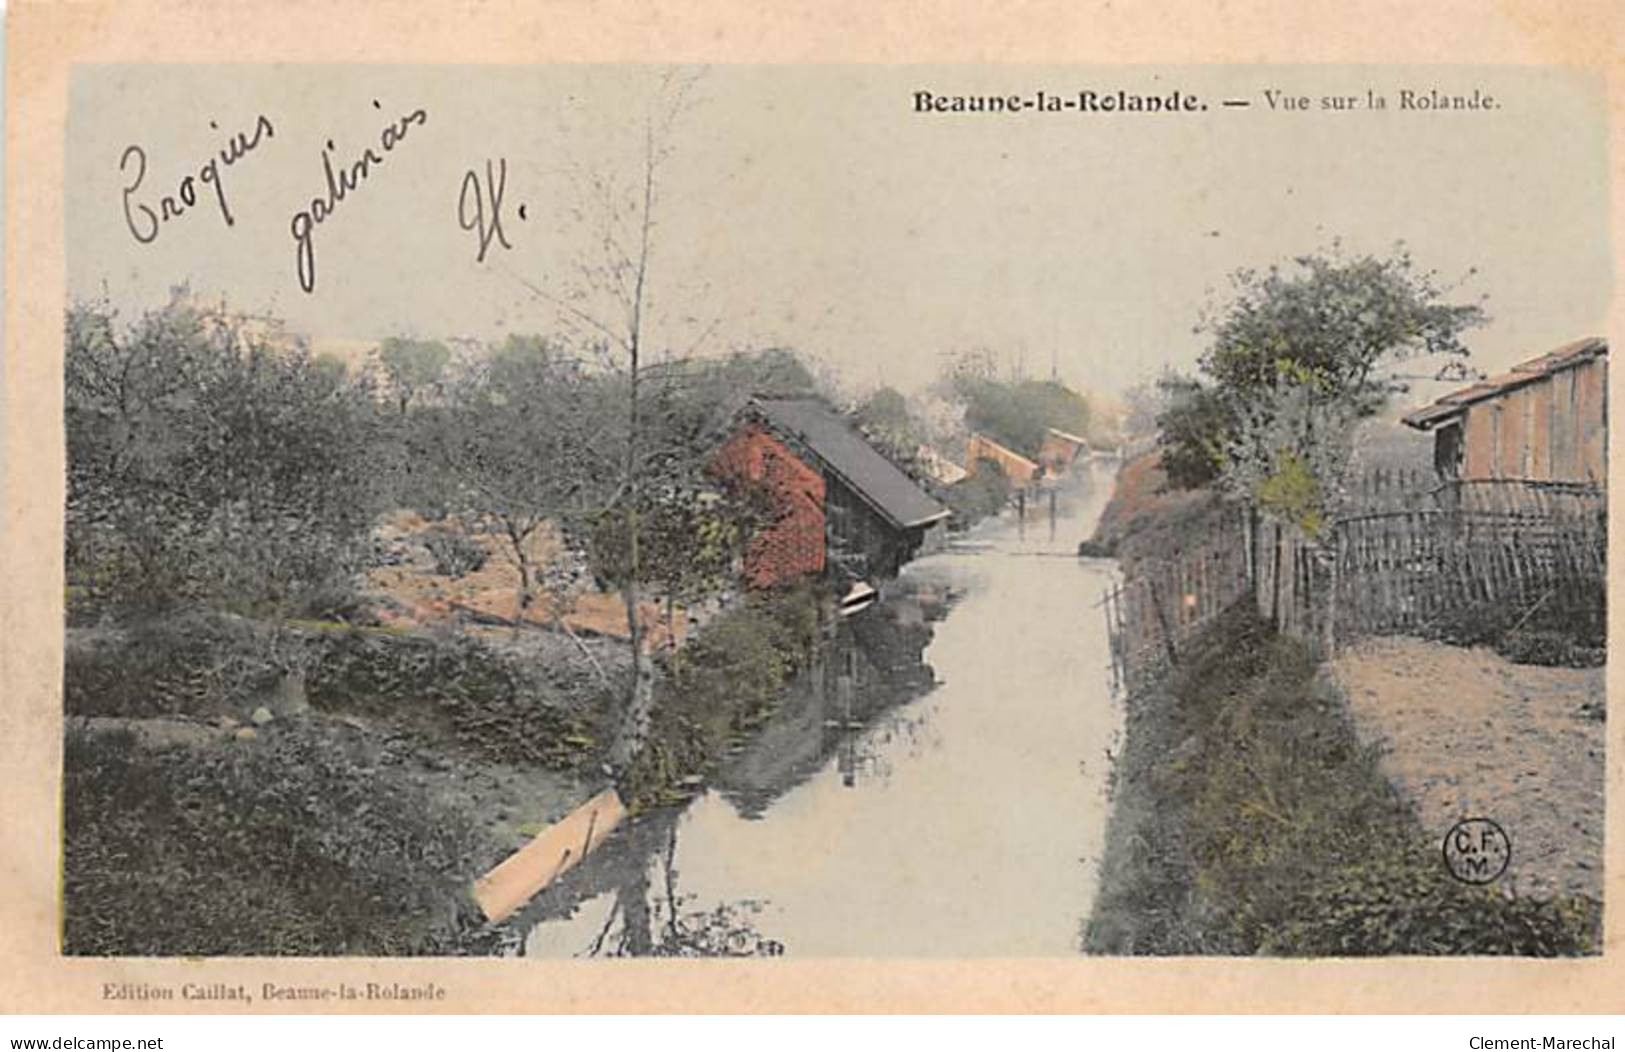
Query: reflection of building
{"points": [[838, 504], [1545, 420], [1017, 468], [867, 667]]}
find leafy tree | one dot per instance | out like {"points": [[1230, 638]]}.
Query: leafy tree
{"points": [[1016, 413], [690, 541], [1333, 323], [412, 366], [885, 419], [210, 460], [980, 494], [885, 410], [519, 443], [1296, 358], [1192, 431]]}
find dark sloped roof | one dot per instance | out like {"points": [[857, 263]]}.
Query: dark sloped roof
{"points": [[1523, 373], [871, 476]]}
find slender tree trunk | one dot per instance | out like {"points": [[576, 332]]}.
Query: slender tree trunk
{"points": [[522, 598], [635, 723]]}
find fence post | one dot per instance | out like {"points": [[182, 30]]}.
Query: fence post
{"points": [[1275, 581], [1162, 623], [1331, 592]]}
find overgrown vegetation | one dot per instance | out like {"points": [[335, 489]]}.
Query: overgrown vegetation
{"points": [[209, 461], [283, 846], [188, 662], [1567, 630], [979, 495], [464, 694], [722, 686], [1248, 819]]}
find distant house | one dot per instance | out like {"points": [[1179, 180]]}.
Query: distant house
{"points": [[1017, 468], [1060, 450], [939, 468], [1545, 420], [840, 507]]}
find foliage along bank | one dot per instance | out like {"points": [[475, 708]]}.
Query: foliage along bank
{"points": [[1249, 819]]}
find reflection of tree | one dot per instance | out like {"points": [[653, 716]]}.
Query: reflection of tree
{"points": [[873, 663], [661, 926]]}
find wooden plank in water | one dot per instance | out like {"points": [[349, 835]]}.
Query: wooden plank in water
{"points": [[555, 851]]}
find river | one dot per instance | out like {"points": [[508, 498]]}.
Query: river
{"points": [[950, 801]]}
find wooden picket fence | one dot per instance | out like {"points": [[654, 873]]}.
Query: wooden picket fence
{"points": [[1162, 604], [1432, 562]]}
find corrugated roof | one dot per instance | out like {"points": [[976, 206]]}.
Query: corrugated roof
{"points": [[1456, 402], [871, 476]]}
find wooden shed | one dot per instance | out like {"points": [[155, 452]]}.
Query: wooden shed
{"points": [[1545, 420], [1060, 450], [1017, 468]]}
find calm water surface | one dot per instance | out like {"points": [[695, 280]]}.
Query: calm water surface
{"points": [[897, 818]]}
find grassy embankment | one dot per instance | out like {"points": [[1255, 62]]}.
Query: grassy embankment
{"points": [[1248, 818], [355, 827]]}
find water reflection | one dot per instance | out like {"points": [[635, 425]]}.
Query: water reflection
{"points": [[935, 786], [872, 663], [648, 917]]}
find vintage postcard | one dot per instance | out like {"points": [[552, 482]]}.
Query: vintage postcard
{"points": [[1068, 525]]}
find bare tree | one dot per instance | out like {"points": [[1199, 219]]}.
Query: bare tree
{"points": [[610, 308]]}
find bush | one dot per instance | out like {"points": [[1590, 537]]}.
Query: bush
{"points": [[190, 662], [1566, 627], [306, 852], [209, 461], [493, 705], [454, 553], [722, 685], [1549, 647], [978, 496]]}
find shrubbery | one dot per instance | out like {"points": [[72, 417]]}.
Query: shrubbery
{"points": [[721, 686], [455, 554], [285, 845], [978, 496], [209, 462], [189, 662], [1566, 628], [491, 704]]}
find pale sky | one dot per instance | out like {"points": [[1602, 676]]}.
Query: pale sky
{"points": [[811, 207]]}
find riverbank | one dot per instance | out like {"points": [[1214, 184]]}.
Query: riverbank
{"points": [[937, 789], [1249, 818], [347, 809]]}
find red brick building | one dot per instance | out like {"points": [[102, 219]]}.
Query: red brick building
{"points": [[840, 508], [792, 546]]}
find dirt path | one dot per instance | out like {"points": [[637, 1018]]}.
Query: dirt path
{"points": [[1469, 734]]}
